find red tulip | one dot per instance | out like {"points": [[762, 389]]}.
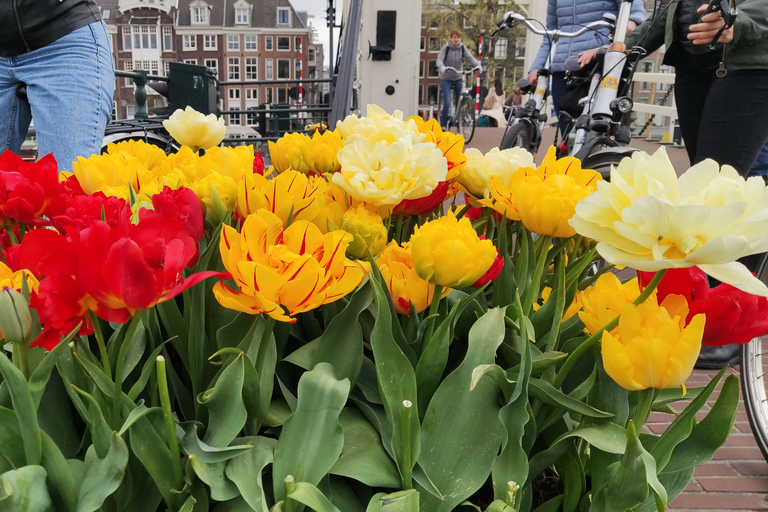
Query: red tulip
{"points": [[733, 316], [26, 188], [492, 273], [181, 204], [258, 163], [423, 205]]}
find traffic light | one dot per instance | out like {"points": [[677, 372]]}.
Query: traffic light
{"points": [[331, 13]]}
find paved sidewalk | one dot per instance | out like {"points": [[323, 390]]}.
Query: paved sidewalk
{"points": [[737, 476]]}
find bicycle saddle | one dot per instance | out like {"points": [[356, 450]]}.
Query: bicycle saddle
{"points": [[524, 85], [572, 65]]}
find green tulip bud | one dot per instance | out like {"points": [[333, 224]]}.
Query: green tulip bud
{"points": [[15, 317]]}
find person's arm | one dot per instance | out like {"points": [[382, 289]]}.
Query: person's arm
{"points": [[650, 33], [441, 59], [637, 13], [541, 57], [470, 58]]}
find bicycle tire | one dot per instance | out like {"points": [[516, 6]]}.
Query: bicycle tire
{"points": [[602, 161], [519, 135], [465, 115], [754, 365]]}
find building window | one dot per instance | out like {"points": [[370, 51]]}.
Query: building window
{"points": [[282, 95], [241, 16], [252, 94], [311, 55], [128, 66], [268, 95], [234, 94], [421, 69], [126, 38], [500, 50], [213, 64], [283, 69], [190, 61], [283, 17], [432, 71], [432, 94], [168, 38], [283, 43], [252, 119], [189, 42], [251, 68], [209, 42], [423, 44], [268, 72], [520, 49], [268, 43], [233, 42], [434, 45], [233, 68], [234, 119], [167, 67], [298, 43], [199, 15], [251, 42]]}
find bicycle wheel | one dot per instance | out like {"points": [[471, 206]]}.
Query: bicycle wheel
{"points": [[754, 365], [519, 135], [604, 159], [466, 120]]}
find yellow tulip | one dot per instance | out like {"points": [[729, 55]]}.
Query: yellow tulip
{"points": [[288, 152], [367, 229], [451, 144], [572, 309], [16, 309], [218, 194], [404, 284], [475, 176], [381, 174], [288, 192], [447, 251], [111, 173], [197, 131], [544, 198], [11, 279], [605, 300], [648, 219], [234, 162], [319, 152], [283, 272], [652, 347]]}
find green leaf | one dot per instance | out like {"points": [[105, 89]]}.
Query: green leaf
{"points": [[222, 488], [547, 393], [397, 385], [456, 459], [434, 357], [363, 457], [39, 377], [135, 415], [547, 321], [24, 490], [709, 434], [25, 409], [11, 444], [61, 484], [312, 439], [146, 372], [505, 285], [681, 427], [194, 446], [226, 411], [608, 437], [341, 344], [400, 501], [311, 496], [150, 449], [100, 431], [102, 475], [245, 470]]}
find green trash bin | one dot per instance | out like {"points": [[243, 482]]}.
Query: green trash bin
{"points": [[194, 86], [280, 119]]}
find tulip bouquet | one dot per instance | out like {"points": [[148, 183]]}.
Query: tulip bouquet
{"points": [[379, 320]]}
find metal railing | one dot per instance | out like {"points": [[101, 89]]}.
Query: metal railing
{"points": [[140, 79]]}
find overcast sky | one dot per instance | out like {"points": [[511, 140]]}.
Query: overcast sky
{"points": [[317, 9]]}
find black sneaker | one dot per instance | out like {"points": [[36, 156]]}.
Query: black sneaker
{"points": [[714, 358]]}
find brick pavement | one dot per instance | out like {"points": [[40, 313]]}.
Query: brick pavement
{"points": [[737, 476]]}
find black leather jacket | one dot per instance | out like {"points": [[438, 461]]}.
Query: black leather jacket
{"points": [[32, 24]]}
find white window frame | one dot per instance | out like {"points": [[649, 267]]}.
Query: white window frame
{"points": [[215, 66], [278, 69], [500, 48], [269, 70], [233, 63], [269, 43], [242, 16], [189, 42], [167, 38], [252, 94], [127, 38], [233, 94], [251, 43], [251, 63], [269, 95], [277, 44], [199, 15], [128, 66], [190, 61], [233, 42], [287, 12], [210, 38]]}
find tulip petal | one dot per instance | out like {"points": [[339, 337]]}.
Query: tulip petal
{"points": [[737, 275]]}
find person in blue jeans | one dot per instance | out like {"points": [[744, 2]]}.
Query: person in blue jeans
{"points": [[569, 16], [452, 55], [60, 51], [760, 167]]}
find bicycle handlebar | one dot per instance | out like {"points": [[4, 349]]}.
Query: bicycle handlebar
{"points": [[512, 18], [478, 68]]}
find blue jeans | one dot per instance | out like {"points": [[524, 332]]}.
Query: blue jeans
{"points": [[446, 87], [760, 167], [70, 84]]}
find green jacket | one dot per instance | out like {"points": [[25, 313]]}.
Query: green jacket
{"points": [[748, 50]]}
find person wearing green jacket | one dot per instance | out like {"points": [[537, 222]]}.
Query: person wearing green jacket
{"points": [[722, 92]]}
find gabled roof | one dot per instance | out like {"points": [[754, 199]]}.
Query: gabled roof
{"points": [[263, 13]]}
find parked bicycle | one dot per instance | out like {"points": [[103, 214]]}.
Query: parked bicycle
{"points": [[462, 109], [600, 135]]}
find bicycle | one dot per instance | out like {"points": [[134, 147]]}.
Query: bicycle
{"points": [[462, 115], [600, 135]]}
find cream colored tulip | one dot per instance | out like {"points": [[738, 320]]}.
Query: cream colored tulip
{"points": [[475, 177], [195, 130]]}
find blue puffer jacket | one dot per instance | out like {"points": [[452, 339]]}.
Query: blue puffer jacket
{"points": [[569, 16]]}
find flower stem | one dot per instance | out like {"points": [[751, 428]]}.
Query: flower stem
{"points": [[399, 229], [100, 341], [589, 342], [532, 293], [405, 429], [645, 398], [290, 487], [117, 396], [433, 307], [170, 425], [20, 353]]}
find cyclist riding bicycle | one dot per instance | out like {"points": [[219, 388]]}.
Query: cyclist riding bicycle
{"points": [[450, 59]]}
